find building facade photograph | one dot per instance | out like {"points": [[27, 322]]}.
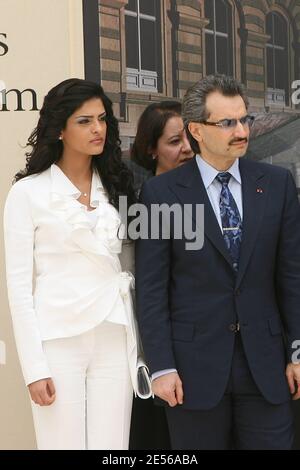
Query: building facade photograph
{"points": [[151, 50]]}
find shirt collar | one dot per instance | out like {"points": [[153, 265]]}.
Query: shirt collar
{"points": [[62, 185], [97, 190], [209, 173]]}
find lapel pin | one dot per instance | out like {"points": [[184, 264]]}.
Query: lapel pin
{"points": [[259, 190]]}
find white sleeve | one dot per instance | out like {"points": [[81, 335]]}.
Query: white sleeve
{"points": [[19, 245]]}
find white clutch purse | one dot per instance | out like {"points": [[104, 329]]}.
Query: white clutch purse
{"points": [[144, 389]]}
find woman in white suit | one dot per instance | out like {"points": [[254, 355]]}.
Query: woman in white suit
{"points": [[69, 299]]}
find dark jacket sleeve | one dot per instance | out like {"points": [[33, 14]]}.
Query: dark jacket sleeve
{"points": [[152, 291], [288, 266]]}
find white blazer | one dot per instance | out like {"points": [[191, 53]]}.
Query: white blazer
{"points": [[63, 277]]}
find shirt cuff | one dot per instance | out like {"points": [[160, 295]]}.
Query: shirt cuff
{"points": [[160, 373]]}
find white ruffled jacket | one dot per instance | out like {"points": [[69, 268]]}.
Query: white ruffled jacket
{"points": [[63, 278]]}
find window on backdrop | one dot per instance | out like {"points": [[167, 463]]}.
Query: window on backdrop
{"points": [[277, 60], [143, 45], [218, 37]]}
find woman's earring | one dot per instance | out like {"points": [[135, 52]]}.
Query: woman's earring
{"points": [[60, 137], [154, 157]]}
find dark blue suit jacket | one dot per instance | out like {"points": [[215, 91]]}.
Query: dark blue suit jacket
{"points": [[188, 300]]}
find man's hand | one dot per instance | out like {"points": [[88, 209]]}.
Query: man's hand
{"points": [[42, 392], [293, 375], [168, 387]]}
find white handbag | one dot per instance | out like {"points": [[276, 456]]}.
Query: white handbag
{"points": [[144, 389]]}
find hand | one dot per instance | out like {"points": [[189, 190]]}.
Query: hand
{"points": [[293, 375], [42, 392], [168, 387]]}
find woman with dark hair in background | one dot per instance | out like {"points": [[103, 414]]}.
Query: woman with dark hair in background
{"points": [[69, 299], [160, 145]]}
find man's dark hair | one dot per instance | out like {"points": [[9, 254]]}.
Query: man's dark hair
{"points": [[194, 101]]}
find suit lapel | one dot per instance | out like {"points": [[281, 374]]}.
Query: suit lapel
{"points": [[189, 189], [254, 192]]}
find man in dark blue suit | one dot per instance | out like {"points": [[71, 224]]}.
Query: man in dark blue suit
{"points": [[220, 324]]}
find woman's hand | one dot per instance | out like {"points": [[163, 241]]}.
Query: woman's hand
{"points": [[42, 392]]}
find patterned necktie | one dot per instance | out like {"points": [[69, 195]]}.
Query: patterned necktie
{"points": [[231, 220]]}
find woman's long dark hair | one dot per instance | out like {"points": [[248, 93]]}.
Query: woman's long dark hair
{"points": [[150, 128], [59, 104]]}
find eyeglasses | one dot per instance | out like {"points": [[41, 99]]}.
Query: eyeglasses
{"points": [[231, 123]]}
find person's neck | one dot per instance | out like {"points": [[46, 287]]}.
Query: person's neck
{"points": [[217, 164], [76, 168]]}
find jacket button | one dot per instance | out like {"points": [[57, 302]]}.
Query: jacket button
{"points": [[237, 292], [232, 327]]}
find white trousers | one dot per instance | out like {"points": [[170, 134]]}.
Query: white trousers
{"points": [[93, 402]]}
